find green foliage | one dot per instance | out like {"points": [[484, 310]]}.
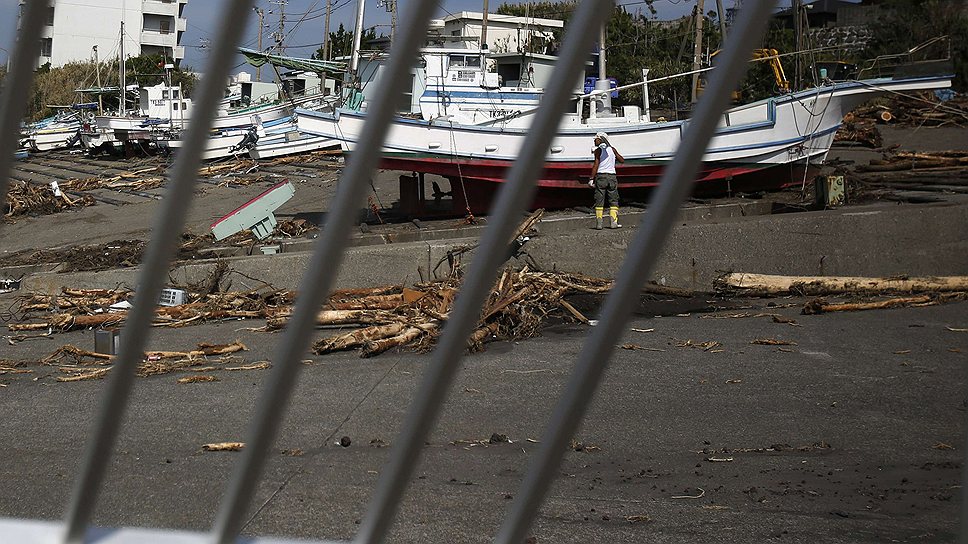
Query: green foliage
{"points": [[149, 70], [341, 43], [56, 86]]}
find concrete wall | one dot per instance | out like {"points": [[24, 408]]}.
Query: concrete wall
{"points": [[865, 241]]}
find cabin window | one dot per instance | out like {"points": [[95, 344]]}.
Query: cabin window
{"points": [[164, 95], [465, 61], [175, 106], [50, 16], [174, 94]]}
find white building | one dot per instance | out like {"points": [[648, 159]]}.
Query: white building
{"points": [[74, 27], [505, 33]]}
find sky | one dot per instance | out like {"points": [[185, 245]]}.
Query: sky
{"points": [[305, 37]]}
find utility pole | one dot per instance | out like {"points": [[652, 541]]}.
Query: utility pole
{"points": [[329, 12], [484, 27], [391, 7], [122, 106], [262, 14], [697, 49], [722, 22], [280, 35]]}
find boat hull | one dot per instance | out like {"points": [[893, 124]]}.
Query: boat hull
{"points": [[765, 145]]}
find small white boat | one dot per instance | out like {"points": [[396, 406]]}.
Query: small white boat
{"points": [[291, 142], [219, 145]]}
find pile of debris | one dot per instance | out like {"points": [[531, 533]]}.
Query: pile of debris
{"points": [[919, 109], [520, 303], [942, 171], [24, 199]]}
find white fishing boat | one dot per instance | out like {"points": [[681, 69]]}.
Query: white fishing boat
{"points": [[60, 131], [287, 140], [220, 144], [767, 144]]}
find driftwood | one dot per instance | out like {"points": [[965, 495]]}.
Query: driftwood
{"points": [[358, 338], [819, 306], [764, 284]]}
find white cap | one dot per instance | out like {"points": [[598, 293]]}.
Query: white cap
{"points": [[601, 135]]}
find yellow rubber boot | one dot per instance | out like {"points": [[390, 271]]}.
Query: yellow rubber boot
{"points": [[613, 215], [599, 216]]}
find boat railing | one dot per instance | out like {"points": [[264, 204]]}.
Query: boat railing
{"points": [[645, 246], [932, 57]]}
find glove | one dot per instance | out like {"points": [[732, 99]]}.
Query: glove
{"points": [[591, 183]]}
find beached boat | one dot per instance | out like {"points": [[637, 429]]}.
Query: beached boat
{"points": [[285, 139], [768, 144]]}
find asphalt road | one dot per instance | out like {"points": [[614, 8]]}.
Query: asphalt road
{"points": [[853, 432]]}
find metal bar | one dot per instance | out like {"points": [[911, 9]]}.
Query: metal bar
{"points": [[512, 200], [17, 84], [675, 186], [168, 226], [321, 273]]}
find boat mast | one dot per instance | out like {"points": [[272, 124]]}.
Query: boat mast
{"points": [[100, 97], [357, 37], [122, 108], [329, 12]]}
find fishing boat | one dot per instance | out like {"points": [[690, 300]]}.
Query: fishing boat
{"points": [[59, 131], [769, 144], [286, 139]]}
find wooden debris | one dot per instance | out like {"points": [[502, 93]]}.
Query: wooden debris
{"points": [[772, 342], [766, 284], [224, 446], [197, 379], [26, 199], [819, 306]]}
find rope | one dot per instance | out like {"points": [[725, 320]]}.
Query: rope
{"points": [[460, 176]]}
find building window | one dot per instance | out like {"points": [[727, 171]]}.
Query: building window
{"points": [[50, 16], [46, 47], [164, 26]]}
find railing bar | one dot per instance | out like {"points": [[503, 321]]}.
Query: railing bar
{"points": [[675, 186], [17, 85], [154, 271], [321, 273], [512, 200]]}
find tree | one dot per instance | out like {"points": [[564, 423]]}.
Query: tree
{"points": [[341, 42], [149, 70]]}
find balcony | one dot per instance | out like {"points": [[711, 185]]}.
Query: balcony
{"points": [[159, 7], [181, 25], [161, 39]]}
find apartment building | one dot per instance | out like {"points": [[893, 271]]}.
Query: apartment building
{"points": [[75, 27]]}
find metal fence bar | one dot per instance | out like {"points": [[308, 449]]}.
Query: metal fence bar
{"points": [[675, 186], [17, 85], [154, 270], [511, 202], [321, 273]]}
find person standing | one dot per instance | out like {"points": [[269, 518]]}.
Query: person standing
{"points": [[604, 181]]}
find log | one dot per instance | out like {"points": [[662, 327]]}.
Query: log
{"points": [[376, 347], [374, 302], [765, 284], [334, 317], [478, 337], [819, 306], [358, 338]]}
